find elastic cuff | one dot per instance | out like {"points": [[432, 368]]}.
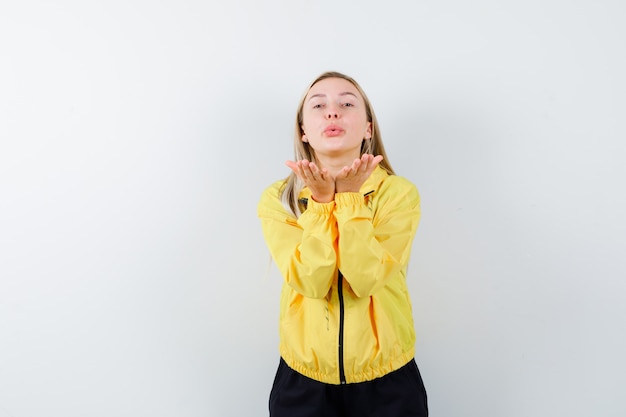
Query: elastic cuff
{"points": [[320, 208], [349, 199]]}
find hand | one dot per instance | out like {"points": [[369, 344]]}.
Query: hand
{"points": [[319, 181], [350, 179]]}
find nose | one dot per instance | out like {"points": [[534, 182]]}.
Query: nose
{"points": [[332, 112]]}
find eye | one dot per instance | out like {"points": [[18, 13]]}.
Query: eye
{"points": [[317, 106], [348, 105]]}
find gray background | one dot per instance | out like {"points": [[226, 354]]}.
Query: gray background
{"points": [[137, 136]]}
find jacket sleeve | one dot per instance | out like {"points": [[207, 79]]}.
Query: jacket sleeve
{"points": [[303, 249], [375, 246]]}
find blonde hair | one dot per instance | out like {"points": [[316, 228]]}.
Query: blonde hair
{"points": [[292, 186]]}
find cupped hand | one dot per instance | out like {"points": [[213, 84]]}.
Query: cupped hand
{"points": [[350, 179], [319, 181]]}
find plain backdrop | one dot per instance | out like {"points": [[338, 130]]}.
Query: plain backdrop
{"points": [[137, 136]]}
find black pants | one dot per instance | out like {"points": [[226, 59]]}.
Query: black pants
{"points": [[398, 394]]}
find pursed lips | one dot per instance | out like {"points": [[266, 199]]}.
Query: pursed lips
{"points": [[333, 130]]}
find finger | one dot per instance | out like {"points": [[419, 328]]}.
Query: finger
{"points": [[304, 166], [343, 173], [314, 169], [376, 160], [366, 160], [310, 170], [292, 165], [362, 165], [321, 173], [304, 172], [373, 161], [301, 169], [296, 167]]}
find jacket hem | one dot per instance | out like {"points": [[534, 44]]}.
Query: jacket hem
{"points": [[351, 378]]}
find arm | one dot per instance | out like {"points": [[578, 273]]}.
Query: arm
{"points": [[374, 247], [304, 249]]}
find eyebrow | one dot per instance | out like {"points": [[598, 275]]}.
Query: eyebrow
{"points": [[346, 93]]}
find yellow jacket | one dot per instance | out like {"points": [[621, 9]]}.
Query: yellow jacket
{"points": [[345, 311]]}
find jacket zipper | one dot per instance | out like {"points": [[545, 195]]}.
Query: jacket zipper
{"points": [[342, 374]]}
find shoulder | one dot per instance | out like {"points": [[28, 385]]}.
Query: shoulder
{"points": [[381, 179], [273, 190], [397, 185], [397, 181], [396, 193], [271, 197]]}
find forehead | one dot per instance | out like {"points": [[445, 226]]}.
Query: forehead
{"points": [[333, 87]]}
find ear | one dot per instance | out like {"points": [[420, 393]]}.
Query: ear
{"points": [[368, 131], [303, 137]]}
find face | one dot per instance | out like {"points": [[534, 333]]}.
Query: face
{"points": [[334, 119]]}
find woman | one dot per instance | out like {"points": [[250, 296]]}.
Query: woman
{"points": [[340, 230]]}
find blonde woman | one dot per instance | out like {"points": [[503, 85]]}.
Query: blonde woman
{"points": [[340, 230]]}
